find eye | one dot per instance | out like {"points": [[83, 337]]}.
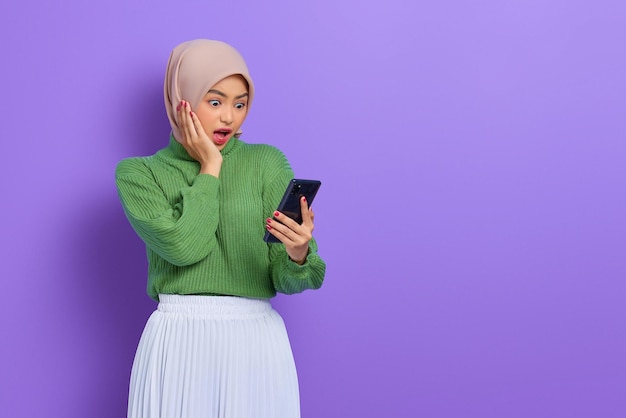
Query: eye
{"points": [[240, 105], [214, 103]]}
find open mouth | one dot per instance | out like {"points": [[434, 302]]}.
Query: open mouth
{"points": [[221, 135]]}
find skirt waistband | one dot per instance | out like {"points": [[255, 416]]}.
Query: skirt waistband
{"points": [[213, 305]]}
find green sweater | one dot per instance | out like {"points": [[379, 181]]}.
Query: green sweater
{"points": [[204, 235]]}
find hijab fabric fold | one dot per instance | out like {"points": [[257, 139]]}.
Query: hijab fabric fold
{"points": [[196, 66]]}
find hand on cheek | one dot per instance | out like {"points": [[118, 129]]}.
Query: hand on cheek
{"points": [[196, 142]]}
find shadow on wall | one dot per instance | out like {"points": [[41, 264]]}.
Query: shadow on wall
{"points": [[113, 276], [112, 301]]}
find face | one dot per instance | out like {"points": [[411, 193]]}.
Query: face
{"points": [[223, 109]]}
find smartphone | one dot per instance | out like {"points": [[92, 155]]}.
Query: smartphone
{"points": [[290, 204]]}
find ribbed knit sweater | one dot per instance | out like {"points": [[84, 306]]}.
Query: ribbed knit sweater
{"points": [[204, 235]]}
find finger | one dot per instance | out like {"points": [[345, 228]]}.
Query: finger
{"points": [[285, 220], [193, 135], [290, 232], [182, 115], [306, 214], [278, 230], [295, 232], [197, 125], [277, 225]]}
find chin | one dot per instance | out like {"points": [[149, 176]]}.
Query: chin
{"points": [[221, 146]]}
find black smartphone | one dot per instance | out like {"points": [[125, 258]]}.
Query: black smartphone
{"points": [[290, 204]]}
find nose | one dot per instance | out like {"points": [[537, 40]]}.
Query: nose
{"points": [[226, 115]]}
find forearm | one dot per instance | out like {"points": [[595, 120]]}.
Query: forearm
{"points": [[183, 233], [290, 277]]}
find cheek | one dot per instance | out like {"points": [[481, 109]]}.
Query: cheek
{"points": [[241, 117]]}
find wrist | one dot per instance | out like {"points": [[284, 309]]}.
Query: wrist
{"points": [[212, 169], [299, 259], [298, 262]]}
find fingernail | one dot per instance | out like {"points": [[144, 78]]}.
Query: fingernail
{"points": [[268, 220], [190, 113], [276, 213], [268, 227], [303, 199]]}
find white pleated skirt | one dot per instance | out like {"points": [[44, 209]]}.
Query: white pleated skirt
{"points": [[214, 357]]}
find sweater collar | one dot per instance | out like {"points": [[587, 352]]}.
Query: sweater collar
{"points": [[179, 151]]}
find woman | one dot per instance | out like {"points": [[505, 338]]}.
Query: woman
{"points": [[215, 347]]}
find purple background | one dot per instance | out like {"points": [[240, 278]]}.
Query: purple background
{"points": [[472, 155]]}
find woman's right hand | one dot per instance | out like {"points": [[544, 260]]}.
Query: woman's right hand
{"points": [[196, 141]]}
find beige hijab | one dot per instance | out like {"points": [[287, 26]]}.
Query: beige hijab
{"points": [[196, 66]]}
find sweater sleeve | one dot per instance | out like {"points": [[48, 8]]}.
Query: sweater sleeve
{"points": [[287, 276], [183, 233]]}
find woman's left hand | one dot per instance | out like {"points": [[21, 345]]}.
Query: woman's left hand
{"points": [[295, 236]]}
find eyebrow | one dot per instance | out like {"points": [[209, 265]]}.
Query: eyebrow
{"points": [[219, 93]]}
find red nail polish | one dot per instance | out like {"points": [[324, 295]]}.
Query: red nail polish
{"points": [[268, 220], [303, 199], [190, 113], [268, 227], [276, 213]]}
